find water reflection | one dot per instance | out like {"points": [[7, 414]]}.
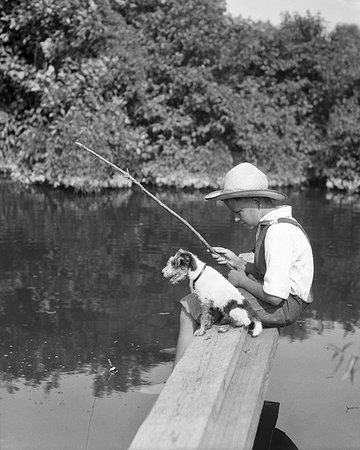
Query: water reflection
{"points": [[81, 284]]}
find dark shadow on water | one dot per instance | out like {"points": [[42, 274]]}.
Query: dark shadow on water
{"points": [[268, 437], [280, 441]]}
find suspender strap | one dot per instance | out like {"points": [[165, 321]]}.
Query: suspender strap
{"points": [[259, 260], [292, 222]]}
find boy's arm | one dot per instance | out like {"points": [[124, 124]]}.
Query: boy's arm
{"points": [[239, 279]]}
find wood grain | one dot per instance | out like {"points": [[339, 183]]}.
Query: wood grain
{"points": [[214, 396]]}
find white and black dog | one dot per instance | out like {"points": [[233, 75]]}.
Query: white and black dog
{"points": [[213, 290]]}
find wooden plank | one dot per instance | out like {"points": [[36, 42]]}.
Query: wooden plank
{"points": [[240, 412], [191, 406], [192, 392]]}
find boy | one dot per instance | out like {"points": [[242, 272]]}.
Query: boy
{"points": [[277, 284]]}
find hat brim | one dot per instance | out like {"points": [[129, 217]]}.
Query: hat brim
{"points": [[225, 195]]}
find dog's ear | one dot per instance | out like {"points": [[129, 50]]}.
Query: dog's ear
{"points": [[188, 260], [184, 260]]}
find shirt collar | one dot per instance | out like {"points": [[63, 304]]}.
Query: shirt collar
{"points": [[274, 214]]}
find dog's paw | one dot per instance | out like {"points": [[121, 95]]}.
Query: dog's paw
{"points": [[223, 329], [254, 334], [256, 330], [199, 332]]}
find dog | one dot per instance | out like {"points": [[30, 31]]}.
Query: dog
{"points": [[213, 290]]}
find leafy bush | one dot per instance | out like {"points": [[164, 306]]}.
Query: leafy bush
{"points": [[66, 164], [342, 155], [175, 91]]}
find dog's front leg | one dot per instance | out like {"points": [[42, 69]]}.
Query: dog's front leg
{"points": [[205, 319]]}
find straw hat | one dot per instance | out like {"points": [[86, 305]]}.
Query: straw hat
{"points": [[245, 180]]}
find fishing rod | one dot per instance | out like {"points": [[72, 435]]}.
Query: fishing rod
{"points": [[159, 202]]}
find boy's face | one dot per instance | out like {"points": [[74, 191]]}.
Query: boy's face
{"points": [[245, 210]]}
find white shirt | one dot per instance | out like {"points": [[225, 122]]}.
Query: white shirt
{"points": [[288, 256]]}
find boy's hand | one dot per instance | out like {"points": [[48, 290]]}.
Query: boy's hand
{"points": [[227, 256]]}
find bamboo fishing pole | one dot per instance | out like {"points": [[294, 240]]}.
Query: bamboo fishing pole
{"points": [[159, 202]]}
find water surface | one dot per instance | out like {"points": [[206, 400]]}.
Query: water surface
{"points": [[81, 292]]}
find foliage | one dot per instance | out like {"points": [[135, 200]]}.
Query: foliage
{"points": [[172, 90], [106, 128], [342, 155]]}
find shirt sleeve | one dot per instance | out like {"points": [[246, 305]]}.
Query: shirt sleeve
{"points": [[278, 257]]}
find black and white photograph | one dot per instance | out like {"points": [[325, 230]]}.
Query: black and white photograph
{"points": [[179, 224]]}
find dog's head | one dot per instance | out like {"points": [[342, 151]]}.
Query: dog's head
{"points": [[179, 266]]}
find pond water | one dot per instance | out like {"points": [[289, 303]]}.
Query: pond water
{"points": [[81, 291]]}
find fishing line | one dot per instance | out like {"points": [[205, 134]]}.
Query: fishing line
{"points": [[88, 430]]}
